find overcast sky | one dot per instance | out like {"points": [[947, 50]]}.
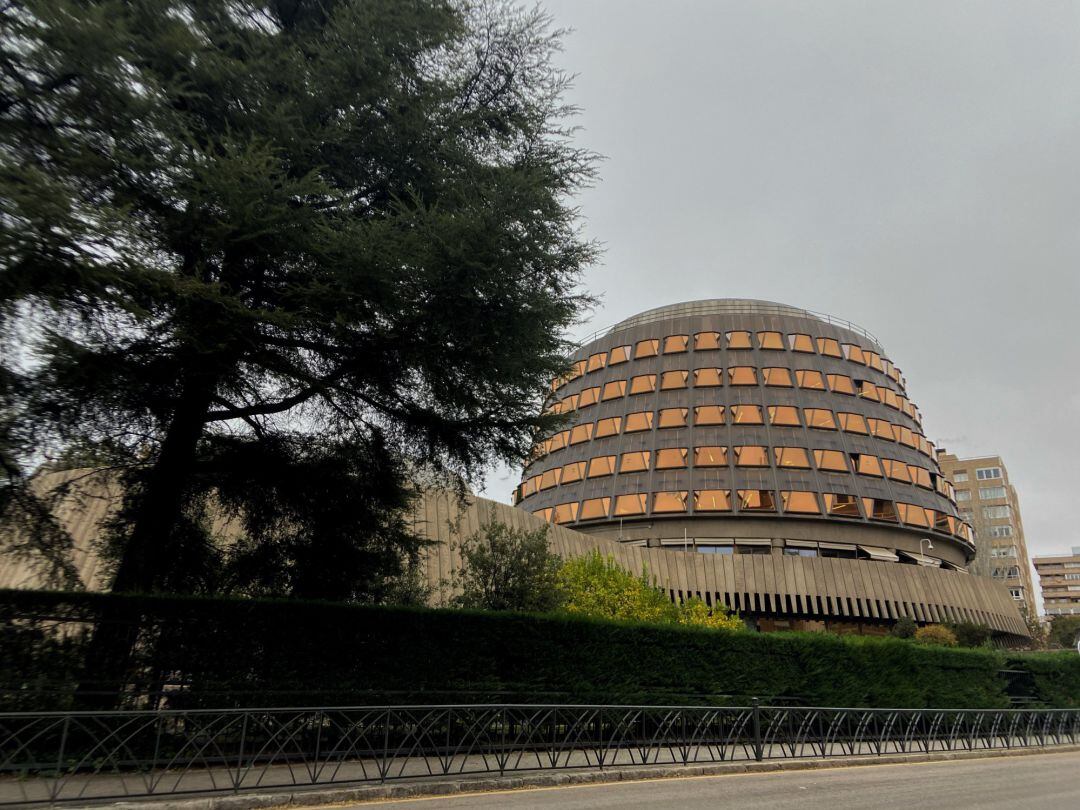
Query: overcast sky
{"points": [[911, 166]]}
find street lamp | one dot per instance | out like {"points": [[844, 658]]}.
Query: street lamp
{"points": [[926, 540]]}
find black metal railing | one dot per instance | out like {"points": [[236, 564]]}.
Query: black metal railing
{"points": [[48, 758]]}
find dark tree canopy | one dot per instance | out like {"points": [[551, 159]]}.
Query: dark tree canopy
{"points": [[283, 258]]}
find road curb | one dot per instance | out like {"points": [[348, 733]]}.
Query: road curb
{"points": [[314, 797]]}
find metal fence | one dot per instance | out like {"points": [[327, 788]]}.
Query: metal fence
{"points": [[48, 758]]}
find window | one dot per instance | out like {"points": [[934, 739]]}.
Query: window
{"points": [[597, 361], [567, 404], [757, 500], [853, 423], [920, 477], [544, 514], [639, 420], [630, 505], [613, 390], [873, 359], [708, 377], [913, 515], [801, 343], [830, 461], [712, 500], [589, 396], [784, 415], [671, 458], [550, 478], [620, 354], [751, 455], [676, 344], [738, 340], [888, 396], [896, 470], [879, 509], [595, 508], [793, 457], [842, 505], [709, 415], [807, 378], [841, 384], [777, 377], [963, 495], [1001, 531], [573, 472], [669, 502], [600, 466], [988, 493], [710, 456], [706, 340], [635, 462], [770, 340], [581, 433], [577, 369], [820, 418], [746, 415], [866, 464], [529, 487], [672, 417], [673, 379], [987, 473], [565, 512], [642, 384], [996, 512], [905, 436], [881, 429], [742, 375], [1016, 593], [799, 502], [960, 477], [854, 353], [829, 347], [1010, 551], [647, 348], [608, 427], [558, 441]]}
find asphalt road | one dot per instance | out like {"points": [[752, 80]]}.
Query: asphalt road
{"points": [[1044, 781]]}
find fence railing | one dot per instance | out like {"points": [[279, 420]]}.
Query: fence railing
{"points": [[49, 758]]}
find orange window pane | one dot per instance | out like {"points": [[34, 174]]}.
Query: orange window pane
{"points": [[559, 440], [784, 415], [777, 377], [800, 502], [914, 515], [544, 514], [830, 461], [642, 384], [807, 378], [669, 502], [597, 361], [608, 427], [920, 477], [674, 344], [709, 415], [757, 500], [529, 487], [873, 359], [639, 420], [581, 433], [841, 384], [558, 383], [600, 466], [905, 436], [842, 505], [881, 429], [801, 343], [595, 508], [888, 396], [613, 390], [738, 340], [710, 456], [854, 353], [673, 379], [751, 456], [550, 478], [647, 348], [589, 396], [672, 417], [577, 369], [706, 340], [770, 340], [637, 461], [567, 404], [746, 415], [853, 423], [742, 375], [708, 377], [573, 472], [829, 347], [867, 390], [794, 457], [896, 470], [566, 512], [620, 354], [866, 464], [671, 458], [630, 505], [820, 418], [879, 509], [712, 500]]}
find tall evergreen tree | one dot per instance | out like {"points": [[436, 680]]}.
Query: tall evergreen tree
{"points": [[281, 257]]}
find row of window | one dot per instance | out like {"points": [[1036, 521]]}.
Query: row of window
{"points": [[754, 501], [735, 339], [981, 474], [719, 415], [772, 377], [704, 457], [985, 493]]}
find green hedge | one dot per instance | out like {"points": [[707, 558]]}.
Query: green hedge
{"points": [[267, 652]]}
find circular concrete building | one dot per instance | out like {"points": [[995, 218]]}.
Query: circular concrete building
{"points": [[740, 427]]}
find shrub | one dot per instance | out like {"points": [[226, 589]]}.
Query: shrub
{"points": [[905, 627], [937, 635], [504, 568], [969, 634]]}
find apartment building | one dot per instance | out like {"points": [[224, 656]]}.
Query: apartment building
{"points": [[1059, 578]]}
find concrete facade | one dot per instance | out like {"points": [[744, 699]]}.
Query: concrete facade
{"points": [[1059, 578]]}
